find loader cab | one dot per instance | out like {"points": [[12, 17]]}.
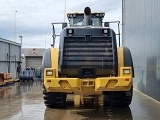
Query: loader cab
{"points": [[76, 19]]}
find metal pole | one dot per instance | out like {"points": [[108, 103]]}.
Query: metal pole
{"points": [[21, 39], [15, 27], [122, 22], [53, 34], [118, 30], [20, 59], [119, 33], [45, 40], [65, 11]]}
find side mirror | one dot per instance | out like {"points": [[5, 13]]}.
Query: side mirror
{"points": [[64, 25], [106, 24]]}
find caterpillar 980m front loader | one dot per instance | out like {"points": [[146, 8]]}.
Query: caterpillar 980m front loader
{"points": [[87, 63]]}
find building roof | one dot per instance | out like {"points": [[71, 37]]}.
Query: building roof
{"points": [[9, 41]]}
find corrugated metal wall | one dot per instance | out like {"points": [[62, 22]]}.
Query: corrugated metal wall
{"points": [[141, 33], [34, 61], [10, 56]]}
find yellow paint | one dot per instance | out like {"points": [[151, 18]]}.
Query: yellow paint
{"points": [[112, 84], [59, 83], [120, 58], [54, 59], [88, 86], [50, 69], [125, 75], [77, 100], [88, 82], [64, 84], [115, 83]]}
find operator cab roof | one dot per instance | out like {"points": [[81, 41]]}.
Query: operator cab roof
{"points": [[95, 14], [76, 19]]}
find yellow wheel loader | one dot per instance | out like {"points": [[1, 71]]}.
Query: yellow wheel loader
{"points": [[87, 63]]}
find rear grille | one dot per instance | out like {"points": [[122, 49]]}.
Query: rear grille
{"points": [[94, 53]]}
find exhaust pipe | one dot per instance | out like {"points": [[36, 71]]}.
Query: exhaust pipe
{"points": [[87, 16]]}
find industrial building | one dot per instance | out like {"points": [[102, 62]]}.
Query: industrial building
{"points": [[13, 58], [10, 57], [141, 34], [32, 57]]}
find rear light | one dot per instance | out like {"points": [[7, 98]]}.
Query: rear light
{"points": [[70, 32], [105, 32], [126, 71], [48, 80], [49, 72]]}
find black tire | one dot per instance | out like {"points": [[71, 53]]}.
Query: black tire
{"points": [[46, 61], [128, 97], [54, 99], [32, 79], [121, 98], [107, 99], [118, 98], [128, 62], [51, 99]]}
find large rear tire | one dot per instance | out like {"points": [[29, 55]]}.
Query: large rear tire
{"points": [[51, 99], [118, 98], [46, 61], [54, 99], [128, 62], [121, 98]]}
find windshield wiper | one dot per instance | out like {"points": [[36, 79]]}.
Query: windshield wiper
{"points": [[78, 21]]}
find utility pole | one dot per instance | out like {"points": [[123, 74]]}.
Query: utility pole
{"points": [[21, 39], [65, 11], [45, 40], [15, 27]]}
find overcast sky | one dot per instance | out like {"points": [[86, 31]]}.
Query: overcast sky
{"points": [[34, 17]]}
